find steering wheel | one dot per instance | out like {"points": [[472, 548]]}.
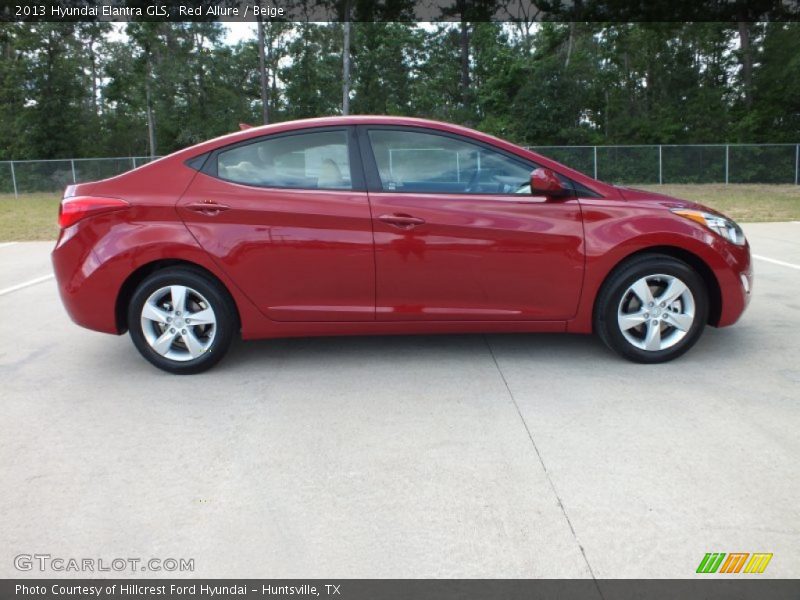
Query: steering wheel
{"points": [[475, 181]]}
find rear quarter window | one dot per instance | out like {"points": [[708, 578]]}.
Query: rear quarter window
{"points": [[314, 160]]}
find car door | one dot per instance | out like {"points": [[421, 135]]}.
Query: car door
{"points": [[287, 217], [458, 236]]}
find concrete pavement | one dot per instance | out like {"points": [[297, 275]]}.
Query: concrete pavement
{"points": [[424, 456]]}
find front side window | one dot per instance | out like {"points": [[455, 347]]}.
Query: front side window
{"points": [[318, 160], [410, 161]]}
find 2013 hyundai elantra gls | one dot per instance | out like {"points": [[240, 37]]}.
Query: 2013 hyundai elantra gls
{"points": [[384, 225]]}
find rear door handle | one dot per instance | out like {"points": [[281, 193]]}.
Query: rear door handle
{"points": [[402, 221], [207, 208]]}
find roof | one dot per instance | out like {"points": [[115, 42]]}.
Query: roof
{"points": [[253, 132]]}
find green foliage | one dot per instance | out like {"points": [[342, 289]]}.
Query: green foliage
{"points": [[95, 89], [54, 85], [775, 113], [383, 59], [313, 79]]}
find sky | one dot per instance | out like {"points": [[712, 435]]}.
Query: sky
{"points": [[234, 32], [237, 32]]}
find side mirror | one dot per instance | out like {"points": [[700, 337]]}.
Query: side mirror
{"points": [[545, 182]]}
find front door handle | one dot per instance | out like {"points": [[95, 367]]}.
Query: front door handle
{"points": [[402, 221], [208, 207]]}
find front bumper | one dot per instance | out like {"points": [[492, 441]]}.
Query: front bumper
{"points": [[735, 282]]}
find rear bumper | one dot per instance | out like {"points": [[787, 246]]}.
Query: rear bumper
{"points": [[87, 291]]}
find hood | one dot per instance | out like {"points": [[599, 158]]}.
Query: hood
{"points": [[637, 195]]}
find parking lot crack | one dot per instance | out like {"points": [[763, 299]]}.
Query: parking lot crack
{"points": [[541, 462]]}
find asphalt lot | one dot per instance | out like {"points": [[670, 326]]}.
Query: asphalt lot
{"points": [[424, 456]]}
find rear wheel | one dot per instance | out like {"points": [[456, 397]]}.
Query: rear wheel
{"points": [[652, 309], [181, 320]]}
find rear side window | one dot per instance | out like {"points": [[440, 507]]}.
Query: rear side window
{"points": [[317, 160], [410, 161]]}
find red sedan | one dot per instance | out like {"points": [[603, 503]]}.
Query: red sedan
{"points": [[381, 225]]}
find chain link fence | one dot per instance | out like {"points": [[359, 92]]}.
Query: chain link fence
{"points": [[663, 164], [701, 163], [51, 176]]}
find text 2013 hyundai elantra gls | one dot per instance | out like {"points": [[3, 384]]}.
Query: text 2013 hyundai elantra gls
{"points": [[382, 225]]}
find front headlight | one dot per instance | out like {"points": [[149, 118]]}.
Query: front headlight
{"points": [[716, 223]]}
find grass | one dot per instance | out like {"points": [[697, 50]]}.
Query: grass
{"points": [[33, 216], [29, 217], [746, 203]]}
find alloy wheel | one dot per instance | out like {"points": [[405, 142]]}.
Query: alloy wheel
{"points": [[178, 322], [656, 312]]}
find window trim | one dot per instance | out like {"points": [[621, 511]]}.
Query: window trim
{"points": [[357, 182], [197, 162], [372, 175]]}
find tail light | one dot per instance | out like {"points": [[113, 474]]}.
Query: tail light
{"points": [[76, 208]]}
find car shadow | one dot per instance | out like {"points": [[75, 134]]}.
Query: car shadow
{"points": [[406, 349], [584, 350], [573, 352]]}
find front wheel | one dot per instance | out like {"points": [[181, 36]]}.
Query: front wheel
{"points": [[652, 309], [181, 320]]}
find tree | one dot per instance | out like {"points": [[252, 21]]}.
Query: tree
{"points": [[13, 68], [384, 63], [73, 89], [346, 54], [773, 114], [262, 72], [313, 79], [56, 104]]}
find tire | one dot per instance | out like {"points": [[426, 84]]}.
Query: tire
{"points": [[157, 327], [642, 332]]}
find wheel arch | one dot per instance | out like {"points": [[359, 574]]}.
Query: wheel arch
{"points": [[686, 256], [143, 271]]}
